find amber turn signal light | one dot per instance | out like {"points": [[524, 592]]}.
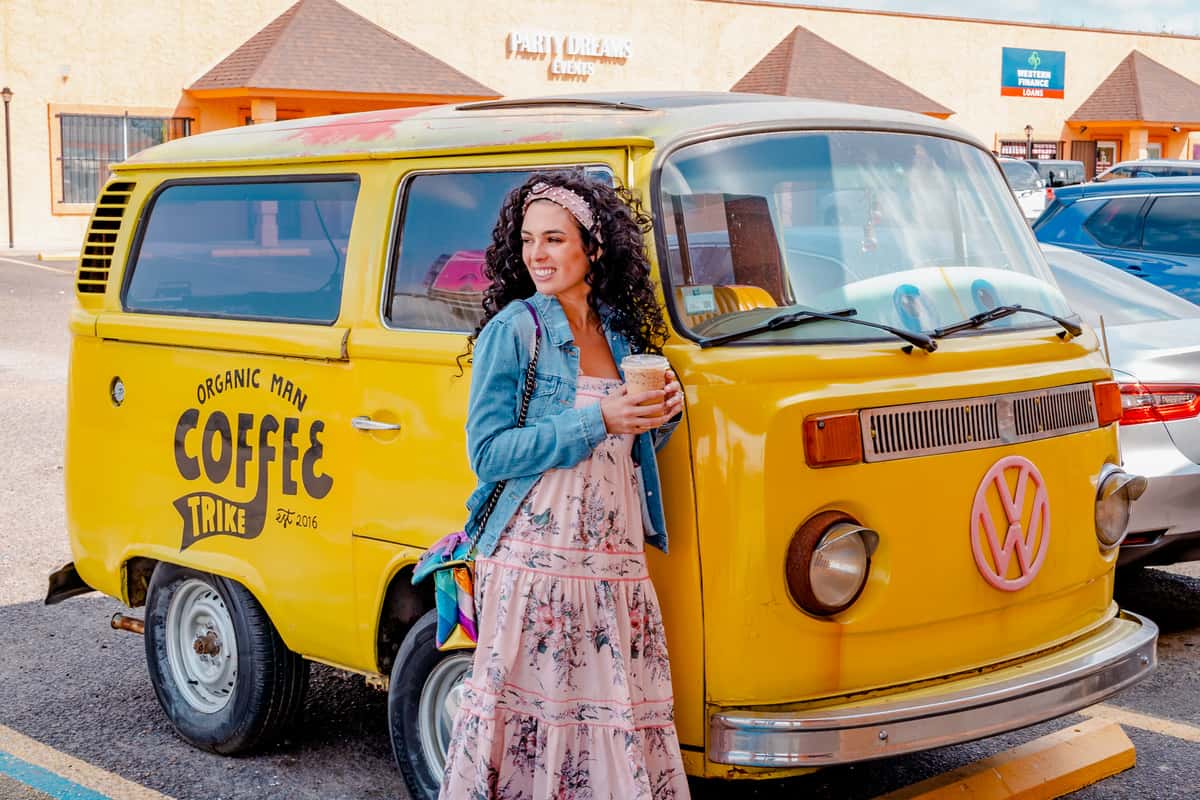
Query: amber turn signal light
{"points": [[1108, 402], [832, 440]]}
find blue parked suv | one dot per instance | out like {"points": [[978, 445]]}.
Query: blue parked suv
{"points": [[1149, 227]]}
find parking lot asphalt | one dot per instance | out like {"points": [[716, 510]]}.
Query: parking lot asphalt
{"points": [[77, 688]]}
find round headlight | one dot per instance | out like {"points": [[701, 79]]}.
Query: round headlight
{"points": [[828, 562], [1114, 503]]}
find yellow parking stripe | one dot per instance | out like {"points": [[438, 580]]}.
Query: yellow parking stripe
{"points": [[38, 266], [1049, 767], [1176, 730], [80, 772]]}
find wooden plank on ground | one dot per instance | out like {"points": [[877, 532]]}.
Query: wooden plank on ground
{"points": [[1049, 767]]}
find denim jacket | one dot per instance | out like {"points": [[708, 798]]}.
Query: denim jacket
{"points": [[556, 434]]}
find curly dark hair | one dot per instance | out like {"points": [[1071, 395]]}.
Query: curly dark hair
{"points": [[619, 278]]}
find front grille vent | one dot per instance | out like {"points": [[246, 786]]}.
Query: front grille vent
{"points": [[95, 262], [950, 426]]}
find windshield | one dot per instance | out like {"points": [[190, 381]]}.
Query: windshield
{"points": [[910, 231], [1021, 176]]}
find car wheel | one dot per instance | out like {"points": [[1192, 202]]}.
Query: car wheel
{"points": [[222, 674], [424, 694]]}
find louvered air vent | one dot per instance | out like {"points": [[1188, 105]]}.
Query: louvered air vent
{"points": [[95, 262], [951, 426]]}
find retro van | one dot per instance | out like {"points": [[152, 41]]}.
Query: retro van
{"points": [[895, 500]]}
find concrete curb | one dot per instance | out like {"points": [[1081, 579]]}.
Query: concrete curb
{"points": [[52, 256], [1049, 767]]}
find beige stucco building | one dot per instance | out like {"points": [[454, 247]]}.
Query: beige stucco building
{"points": [[147, 70]]}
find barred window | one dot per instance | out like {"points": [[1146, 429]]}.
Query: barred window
{"points": [[90, 142], [1018, 148]]}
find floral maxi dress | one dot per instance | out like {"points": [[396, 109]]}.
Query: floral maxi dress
{"points": [[569, 695]]}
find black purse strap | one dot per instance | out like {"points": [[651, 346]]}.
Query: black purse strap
{"points": [[526, 396]]}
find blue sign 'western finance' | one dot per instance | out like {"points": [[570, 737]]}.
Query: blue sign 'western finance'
{"points": [[1032, 73]]}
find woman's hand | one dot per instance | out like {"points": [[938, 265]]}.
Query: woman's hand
{"points": [[674, 395], [624, 412]]}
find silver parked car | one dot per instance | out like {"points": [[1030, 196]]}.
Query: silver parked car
{"points": [[1153, 342], [1027, 185], [1150, 168]]}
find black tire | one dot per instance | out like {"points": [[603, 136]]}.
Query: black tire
{"points": [[218, 701], [422, 672]]}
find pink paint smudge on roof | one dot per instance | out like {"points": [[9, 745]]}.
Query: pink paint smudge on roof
{"points": [[365, 127]]}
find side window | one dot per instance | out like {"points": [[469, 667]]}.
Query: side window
{"points": [[1173, 226], [1115, 222], [245, 250], [436, 278]]}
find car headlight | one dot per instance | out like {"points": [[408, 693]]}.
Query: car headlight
{"points": [[828, 562], [1114, 501]]}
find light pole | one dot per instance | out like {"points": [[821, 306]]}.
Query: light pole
{"points": [[1029, 141], [6, 93]]}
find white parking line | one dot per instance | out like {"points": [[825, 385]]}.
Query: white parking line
{"points": [[38, 266], [1167, 727], [72, 769]]}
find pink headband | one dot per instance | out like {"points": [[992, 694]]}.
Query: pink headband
{"points": [[565, 198]]}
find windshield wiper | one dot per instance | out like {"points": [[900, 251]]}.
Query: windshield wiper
{"points": [[793, 318], [1000, 312]]}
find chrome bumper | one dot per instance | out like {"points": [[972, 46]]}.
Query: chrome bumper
{"points": [[1084, 672]]}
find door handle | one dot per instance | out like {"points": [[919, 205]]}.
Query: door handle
{"points": [[367, 424]]}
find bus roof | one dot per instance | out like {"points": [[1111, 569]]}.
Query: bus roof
{"points": [[646, 119]]}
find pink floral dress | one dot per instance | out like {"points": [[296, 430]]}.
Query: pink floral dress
{"points": [[569, 695]]}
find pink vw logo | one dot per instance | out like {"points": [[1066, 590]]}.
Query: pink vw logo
{"points": [[1011, 504]]}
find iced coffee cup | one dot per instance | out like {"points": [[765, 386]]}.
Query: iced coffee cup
{"points": [[645, 373]]}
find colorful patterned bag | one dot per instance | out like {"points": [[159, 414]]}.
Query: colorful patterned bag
{"points": [[451, 559]]}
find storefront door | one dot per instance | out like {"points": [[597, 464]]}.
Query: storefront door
{"points": [[1106, 155]]}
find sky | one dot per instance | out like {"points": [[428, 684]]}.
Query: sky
{"points": [[1162, 16]]}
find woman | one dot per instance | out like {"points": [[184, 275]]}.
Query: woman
{"points": [[570, 690]]}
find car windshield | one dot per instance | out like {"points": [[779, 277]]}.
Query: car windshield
{"points": [[1021, 176], [1095, 289], [908, 230]]}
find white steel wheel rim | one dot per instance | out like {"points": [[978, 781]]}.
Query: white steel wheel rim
{"points": [[201, 646], [440, 698]]}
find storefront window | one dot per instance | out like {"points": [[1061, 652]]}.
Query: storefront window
{"points": [[1022, 149], [1106, 155], [90, 142]]}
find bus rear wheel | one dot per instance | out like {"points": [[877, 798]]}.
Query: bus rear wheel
{"points": [[221, 672]]}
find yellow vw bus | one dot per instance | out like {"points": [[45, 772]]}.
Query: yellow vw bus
{"points": [[895, 499]]}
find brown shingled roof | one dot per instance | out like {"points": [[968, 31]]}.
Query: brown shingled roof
{"points": [[1142, 89], [320, 45], [805, 65]]}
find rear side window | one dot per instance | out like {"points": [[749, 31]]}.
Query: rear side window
{"points": [[1115, 223], [1021, 176], [1116, 174], [266, 250], [1173, 226], [436, 277]]}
